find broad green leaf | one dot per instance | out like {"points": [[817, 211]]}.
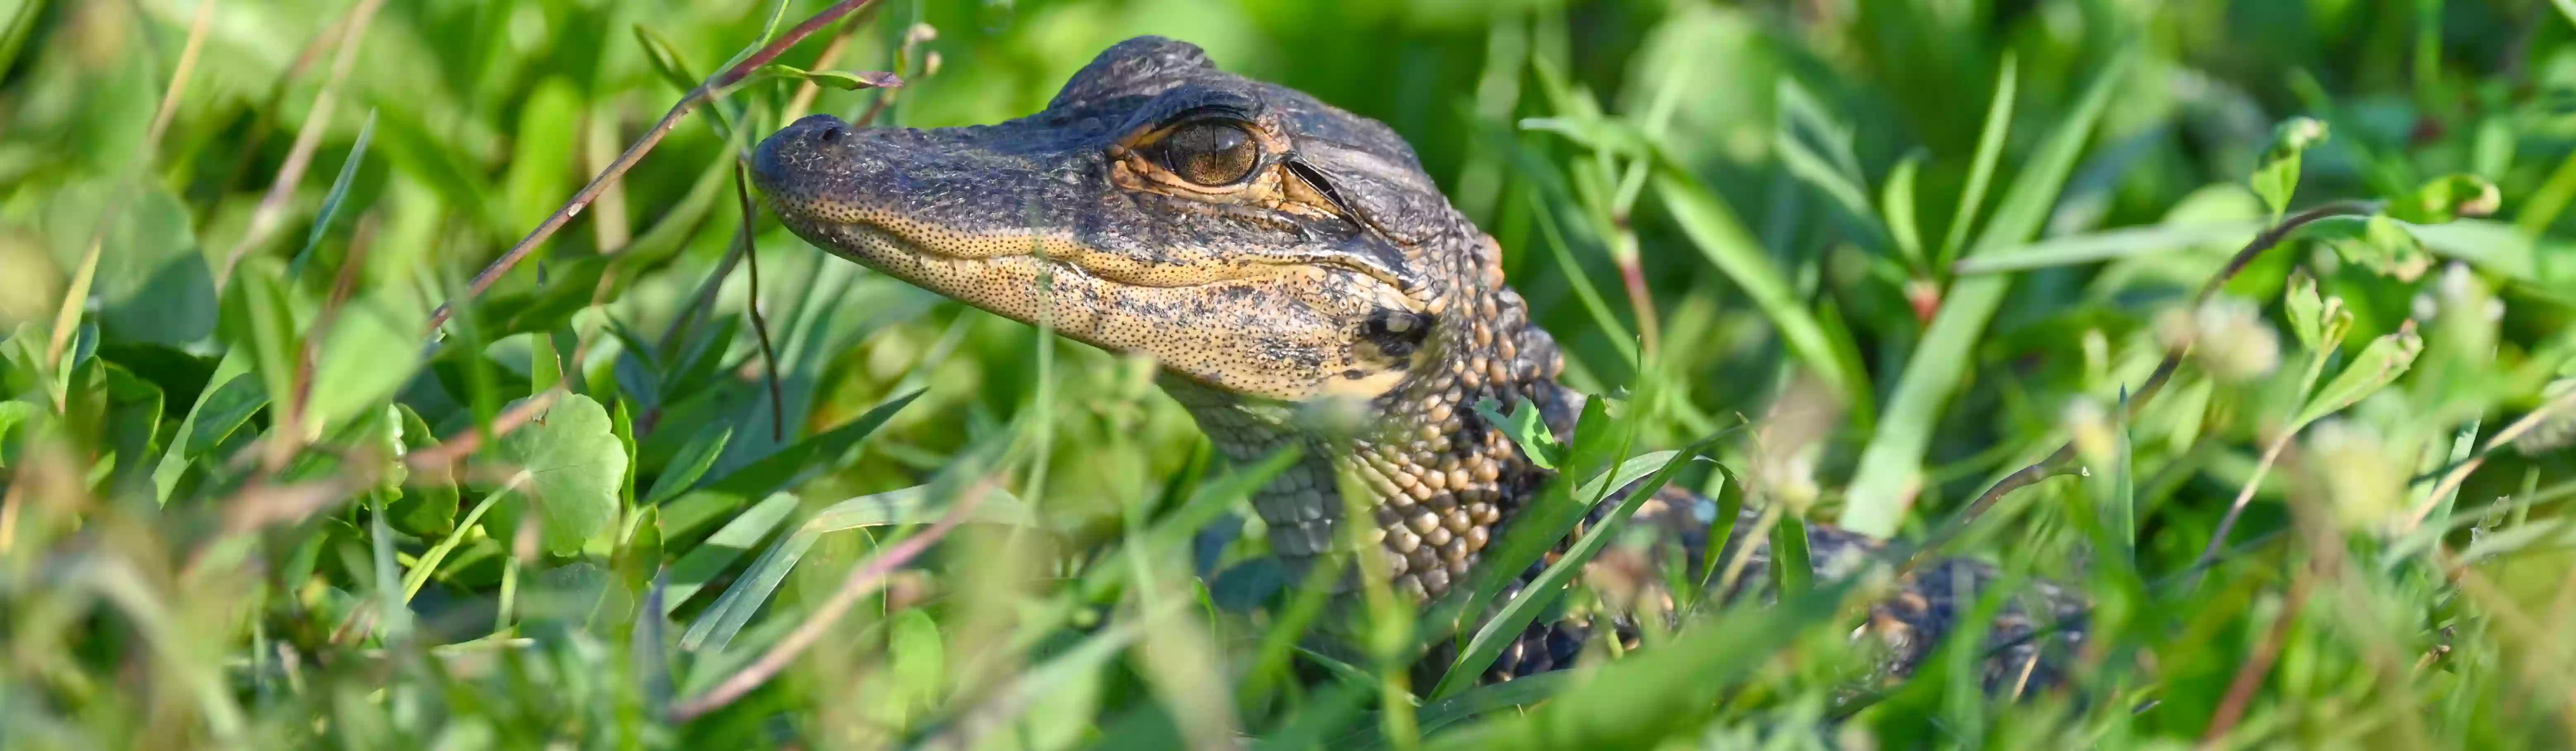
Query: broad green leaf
{"points": [[2278, 177], [1890, 471], [2383, 246], [568, 467], [919, 657], [371, 350], [14, 412], [2379, 364], [2305, 310], [152, 282]]}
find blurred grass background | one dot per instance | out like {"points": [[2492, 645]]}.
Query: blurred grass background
{"points": [[184, 561]]}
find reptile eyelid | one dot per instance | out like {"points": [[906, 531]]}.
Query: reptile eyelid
{"points": [[1314, 178]]}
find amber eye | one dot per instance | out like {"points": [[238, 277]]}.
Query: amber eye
{"points": [[1210, 152]]}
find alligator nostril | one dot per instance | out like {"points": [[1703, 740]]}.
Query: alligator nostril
{"points": [[831, 134]]}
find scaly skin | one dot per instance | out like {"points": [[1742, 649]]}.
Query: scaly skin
{"points": [[1301, 281]]}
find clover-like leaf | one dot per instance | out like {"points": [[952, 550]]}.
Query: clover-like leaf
{"points": [[2278, 179], [569, 468], [2384, 247], [2447, 198], [369, 352], [2305, 308], [2378, 365]]}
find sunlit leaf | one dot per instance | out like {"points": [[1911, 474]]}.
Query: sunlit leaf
{"points": [[566, 467], [2278, 177], [2446, 198], [2378, 365], [1526, 428]]}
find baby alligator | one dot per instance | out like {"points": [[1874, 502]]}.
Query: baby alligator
{"points": [[1278, 256]]}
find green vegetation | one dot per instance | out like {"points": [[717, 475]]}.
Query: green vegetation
{"points": [[1912, 245]]}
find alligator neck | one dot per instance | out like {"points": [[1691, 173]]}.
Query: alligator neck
{"points": [[1437, 481]]}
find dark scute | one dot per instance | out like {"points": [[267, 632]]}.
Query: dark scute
{"points": [[1139, 66]]}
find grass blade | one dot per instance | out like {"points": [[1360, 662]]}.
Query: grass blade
{"points": [[1990, 149], [695, 457], [1515, 616], [2095, 247], [735, 538], [717, 626], [1891, 467], [1714, 229]]}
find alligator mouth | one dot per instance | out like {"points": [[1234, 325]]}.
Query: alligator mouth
{"points": [[803, 172]]}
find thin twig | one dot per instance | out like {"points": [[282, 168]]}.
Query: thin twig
{"points": [[1632, 275], [2240, 691], [2056, 462], [459, 447], [862, 580], [264, 220], [759, 324], [2245, 496], [263, 505], [634, 153], [2451, 480]]}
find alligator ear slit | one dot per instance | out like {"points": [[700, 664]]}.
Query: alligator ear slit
{"points": [[1315, 179]]}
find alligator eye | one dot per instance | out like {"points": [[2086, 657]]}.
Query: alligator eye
{"points": [[1211, 152]]}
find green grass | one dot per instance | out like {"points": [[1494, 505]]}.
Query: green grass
{"points": [[1915, 245]]}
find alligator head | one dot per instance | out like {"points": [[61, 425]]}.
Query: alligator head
{"points": [[1273, 253]]}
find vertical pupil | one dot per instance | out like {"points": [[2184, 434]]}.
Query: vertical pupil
{"points": [[1212, 153]]}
